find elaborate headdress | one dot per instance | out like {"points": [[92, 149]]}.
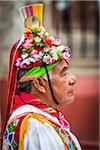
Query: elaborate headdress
{"points": [[35, 48]]}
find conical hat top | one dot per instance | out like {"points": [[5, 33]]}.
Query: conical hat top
{"points": [[30, 13]]}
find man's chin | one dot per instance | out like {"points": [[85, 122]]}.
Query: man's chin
{"points": [[71, 100], [68, 101]]}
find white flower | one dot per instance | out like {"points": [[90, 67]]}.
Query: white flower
{"points": [[37, 57], [31, 59], [55, 54], [37, 39], [53, 48], [26, 61], [24, 55], [29, 40], [61, 48], [46, 58], [41, 54], [57, 42]]}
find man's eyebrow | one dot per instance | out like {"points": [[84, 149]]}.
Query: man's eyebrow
{"points": [[63, 70]]}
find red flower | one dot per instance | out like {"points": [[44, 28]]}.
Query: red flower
{"points": [[28, 34], [38, 48], [37, 63], [48, 41]]}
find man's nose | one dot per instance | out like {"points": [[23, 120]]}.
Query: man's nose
{"points": [[72, 78]]}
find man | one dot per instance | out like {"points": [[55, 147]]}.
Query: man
{"points": [[39, 81]]}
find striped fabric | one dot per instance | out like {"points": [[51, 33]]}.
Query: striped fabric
{"points": [[32, 10]]}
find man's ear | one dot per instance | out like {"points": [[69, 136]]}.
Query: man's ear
{"points": [[40, 84]]}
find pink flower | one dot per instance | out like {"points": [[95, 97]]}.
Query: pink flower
{"points": [[46, 49], [21, 64], [18, 62], [19, 59], [34, 52], [40, 33], [27, 43], [66, 48], [51, 60], [65, 55]]}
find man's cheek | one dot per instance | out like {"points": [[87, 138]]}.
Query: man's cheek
{"points": [[65, 84]]}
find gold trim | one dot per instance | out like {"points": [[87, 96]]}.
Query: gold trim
{"points": [[24, 126]]}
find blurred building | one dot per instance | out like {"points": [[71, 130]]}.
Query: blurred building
{"points": [[77, 24]]}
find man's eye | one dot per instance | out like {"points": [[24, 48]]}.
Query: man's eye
{"points": [[64, 71]]}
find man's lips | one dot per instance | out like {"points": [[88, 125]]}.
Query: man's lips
{"points": [[71, 92]]}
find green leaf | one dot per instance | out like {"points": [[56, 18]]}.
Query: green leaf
{"points": [[23, 50], [40, 44], [35, 31]]}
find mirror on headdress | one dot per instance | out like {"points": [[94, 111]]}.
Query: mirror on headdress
{"points": [[31, 21]]}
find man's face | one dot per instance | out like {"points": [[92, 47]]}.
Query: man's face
{"points": [[63, 83]]}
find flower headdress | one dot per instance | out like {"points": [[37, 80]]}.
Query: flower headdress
{"points": [[35, 48], [38, 46]]}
